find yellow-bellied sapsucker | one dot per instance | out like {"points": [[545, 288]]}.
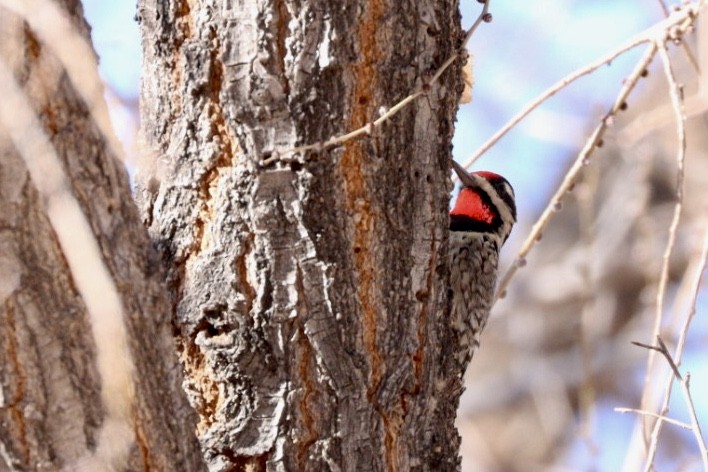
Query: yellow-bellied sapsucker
{"points": [[480, 222]]}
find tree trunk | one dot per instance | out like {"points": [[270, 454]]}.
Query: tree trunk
{"points": [[309, 293], [89, 379]]}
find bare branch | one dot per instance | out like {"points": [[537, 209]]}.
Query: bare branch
{"points": [[680, 424], [673, 362], [689, 54], [681, 20], [662, 349], [423, 89], [483, 16], [676, 100], [664, 8], [593, 141], [557, 87], [695, 425], [698, 269], [695, 285]]}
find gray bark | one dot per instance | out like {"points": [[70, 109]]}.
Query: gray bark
{"points": [[53, 397], [309, 295]]}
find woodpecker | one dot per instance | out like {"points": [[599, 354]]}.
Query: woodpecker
{"points": [[480, 223]]}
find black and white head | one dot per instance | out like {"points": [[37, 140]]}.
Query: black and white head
{"points": [[485, 204]]}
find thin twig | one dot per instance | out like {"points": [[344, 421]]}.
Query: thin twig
{"points": [[664, 351], [696, 426], [366, 129], [676, 359], [676, 100], [664, 8], [686, 48], [673, 26], [681, 20], [680, 424], [580, 161], [418, 92], [697, 279], [551, 91], [685, 382], [482, 17]]}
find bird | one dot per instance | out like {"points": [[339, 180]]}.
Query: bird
{"points": [[480, 223]]}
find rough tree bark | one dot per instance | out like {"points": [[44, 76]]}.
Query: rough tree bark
{"points": [[65, 404], [309, 294]]}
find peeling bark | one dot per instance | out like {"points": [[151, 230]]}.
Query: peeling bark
{"points": [[308, 295]]}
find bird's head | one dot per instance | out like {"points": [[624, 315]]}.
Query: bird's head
{"points": [[485, 204]]}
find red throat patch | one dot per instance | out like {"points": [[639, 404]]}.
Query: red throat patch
{"points": [[469, 204]]}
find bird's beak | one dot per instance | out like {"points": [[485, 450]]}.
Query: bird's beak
{"points": [[462, 174]]}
